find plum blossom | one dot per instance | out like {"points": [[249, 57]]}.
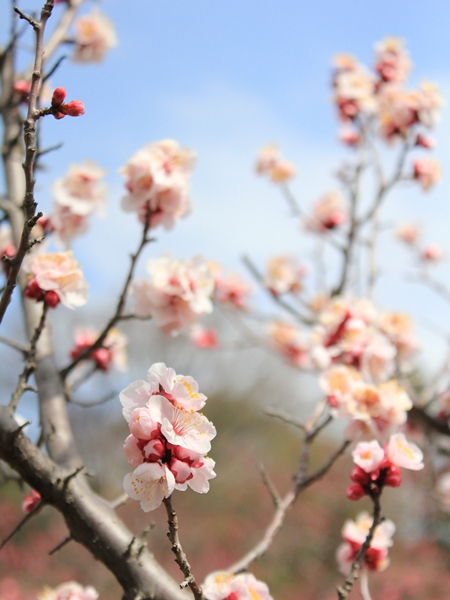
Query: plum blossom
{"points": [[284, 275], [177, 294], [392, 61], [368, 455], [94, 36], [157, 180], [427, 171], [7, 247], [328, 212], [112, 352], [67, 225], [80, 190], [204, 337], [270, 163], [404, 454], [432, 253], [168, 438], [221, 585], [354, 92], [56, 277], [355, 534], [408, 233], [287, 340], [68, 591]]}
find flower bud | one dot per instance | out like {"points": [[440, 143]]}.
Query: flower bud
{"points": [[31, 501], [358, 475], [103, 357], [59, 115], [355, 492], [51, 298], [33, 290], [59, 95], [154, 450], [74, 108], [393, 476]]}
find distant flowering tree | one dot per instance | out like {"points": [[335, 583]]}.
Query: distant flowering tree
{"points": [[361, 354]]}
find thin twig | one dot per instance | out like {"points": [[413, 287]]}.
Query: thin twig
{"points": [[270, 485], [284, 416], [180, 556], [13, 344], [19, 526], [68, 539]]}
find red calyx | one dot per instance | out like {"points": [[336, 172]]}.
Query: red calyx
{"points": [[33, 290], [393, 477]]}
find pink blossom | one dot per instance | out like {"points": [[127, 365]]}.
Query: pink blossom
{"points": [[392, 61], [408, 233], [204, 337], [368, 455], [180, 427], [94, 36], [354, 92], [178, 293], [222, 585], [158, 183], [427, 172], [59, 273], [7, 247], [80, 190], [231, 289], [111, 353], [328, 212], [404, 454], [67, 226], [284, 274], [270, 163], [286, 339], [191, 469], [432, 253], [150, 483], [355, 534], [68, 591]]}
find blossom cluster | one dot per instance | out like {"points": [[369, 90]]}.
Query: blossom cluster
{"points": [[380, 95], [377, 466], [157, 181], [76, 196], [178, 292], [223, 585], [284, 275], [229, 288], [355, 534], [271, 164], [169, 439], [55, 277], [112, 352]]}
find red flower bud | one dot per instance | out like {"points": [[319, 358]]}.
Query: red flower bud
{"points": [[74, 108], [358, 475], [33, 290], [59, 95], [59, 115], [393, 476], [355, 492], [102, 357], [51, 298]]}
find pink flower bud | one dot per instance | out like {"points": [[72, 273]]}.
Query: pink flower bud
{"points": [[360, 476], [46, 223], [30, 501], [59, 95], [74, 108], [393, 476], [355, 492], [103, 357], [59, 115], [51, 298], [425, 142], [33, 290]]}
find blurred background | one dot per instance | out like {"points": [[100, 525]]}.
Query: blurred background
{"points": [[226, 78]]}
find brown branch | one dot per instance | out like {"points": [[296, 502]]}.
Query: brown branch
{"points": [[19, 526], [120, 305], [30, 363], [270, 485], [284, 416], [29, 135], [65, 541], [180, 556]]}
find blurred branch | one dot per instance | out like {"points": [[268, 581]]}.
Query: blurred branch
{"points": [[19, 526]]}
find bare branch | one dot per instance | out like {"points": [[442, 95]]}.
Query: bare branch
{"points": [[180, 556], [19, 526]]}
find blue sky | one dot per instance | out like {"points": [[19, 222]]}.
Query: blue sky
{"points": [[226, 77]]}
